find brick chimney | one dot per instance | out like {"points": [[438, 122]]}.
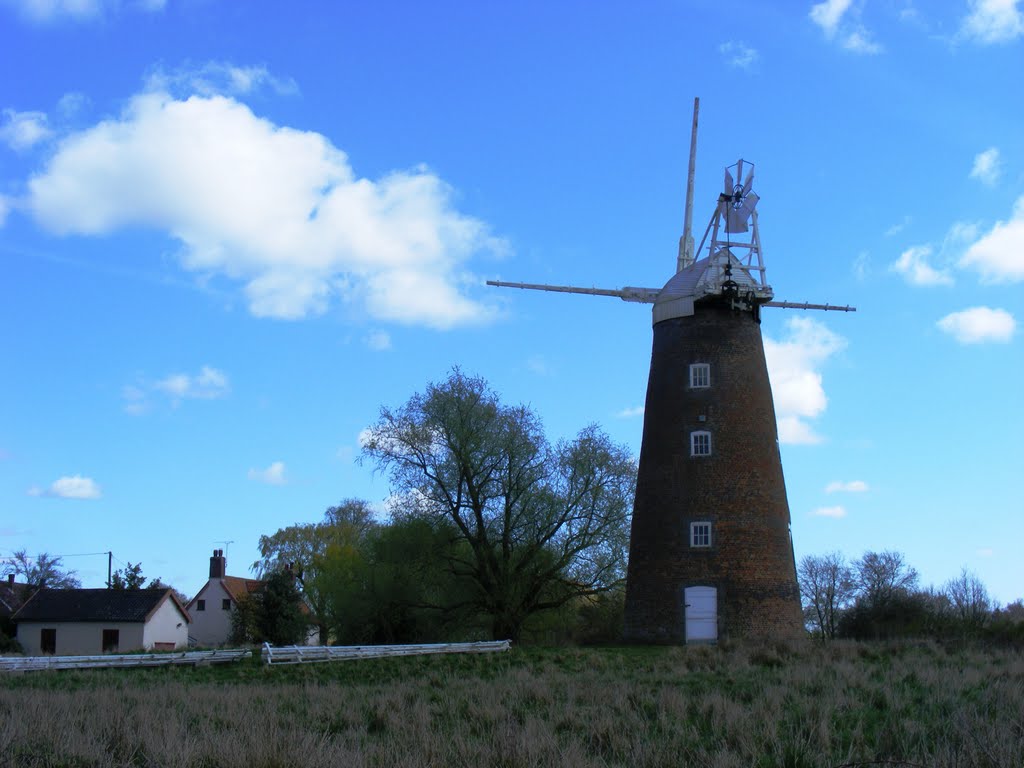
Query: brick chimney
{"points": [[218, 565], [10, 579]]}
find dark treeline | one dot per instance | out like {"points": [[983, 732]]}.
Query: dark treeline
{"points": [[878, 596]]}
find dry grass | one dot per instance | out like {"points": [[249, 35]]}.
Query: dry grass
{"points": [[723, 707]]}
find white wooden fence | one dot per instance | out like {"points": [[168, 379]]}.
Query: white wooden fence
{"points": [[303, 654], [193, 658]]}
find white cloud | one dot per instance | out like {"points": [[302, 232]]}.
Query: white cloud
{"points": [[536, 364], [208, 384], [993, 21], [78, 10], [738, 54], [72, 103], [828, 14], [987, 166], [70, 487], [272, 475], [895, 229], [630, 413], [378, 340], [852, 36], [862, 265], [278, 209], [999, 254], [852, 486], [985, 552], [859, 40], [978, 325], [5, 206], [793, 366], [913, 265], [22, 130], [217, 78], [833, 512]]}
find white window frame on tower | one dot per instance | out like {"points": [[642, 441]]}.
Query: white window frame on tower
{"points": [[700, 375], [700, 534], [700, 443]]}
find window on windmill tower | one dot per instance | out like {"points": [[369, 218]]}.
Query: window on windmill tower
{"points": [[700, 534], [700, 375], [700, 443]]}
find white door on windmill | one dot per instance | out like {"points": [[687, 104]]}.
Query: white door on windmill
{"points": [[701, 611]]}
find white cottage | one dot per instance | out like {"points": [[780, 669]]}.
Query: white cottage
{"points": [[211, 608], [85, 622]]}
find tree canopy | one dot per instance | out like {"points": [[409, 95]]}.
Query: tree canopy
{"points": [[540, 524], [41, 571]]}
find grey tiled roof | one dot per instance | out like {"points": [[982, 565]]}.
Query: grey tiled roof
{"points": [[92, 604]]}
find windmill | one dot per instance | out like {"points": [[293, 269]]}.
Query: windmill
{"points": [[710, 548]]}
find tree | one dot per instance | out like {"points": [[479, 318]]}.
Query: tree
{"points": [[827, 587], [311, 549], [273, 614], [882, 576], [541, 524], [130, 577], [43, 571], [969, 599]]}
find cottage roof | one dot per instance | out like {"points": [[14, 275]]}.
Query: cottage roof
{"points": [[239, 587], [12, 595], [128, 605]]}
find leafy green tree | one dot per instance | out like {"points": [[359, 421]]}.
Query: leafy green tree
{"points": [[312, 549], [130, 577], [273, 614], [539, 525], [41, 571]]}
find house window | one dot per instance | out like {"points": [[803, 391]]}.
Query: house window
{"points": [[700, 534], [700, 375], [225, 604], [111, 637], [700, 443], [200, 605], [48, 640]]}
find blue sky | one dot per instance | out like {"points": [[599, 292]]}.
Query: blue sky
{"points": [[231, 232]]}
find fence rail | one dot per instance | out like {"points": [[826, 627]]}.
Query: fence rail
{"points": [[304, 654], [193, 658]]}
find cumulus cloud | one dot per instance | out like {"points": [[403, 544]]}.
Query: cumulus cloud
{"points": [[834, 512], [23, 130], [738, 54], [999, 254], [987, 166], [850, 34], [278, 209], [272, 475], [852, 486], [914, 265], [70, 487], [793, 367], [993, 21], [978, 325]]}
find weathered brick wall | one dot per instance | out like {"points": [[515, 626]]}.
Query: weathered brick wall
{"points": [[739, 488]]}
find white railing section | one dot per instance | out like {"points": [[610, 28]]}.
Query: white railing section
{"points": [[303, 654], [192, 658]]}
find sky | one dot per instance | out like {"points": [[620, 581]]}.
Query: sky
{"points": [[231, 232]]}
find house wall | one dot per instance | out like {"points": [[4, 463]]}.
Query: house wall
{"points": [[80, 638], [212, 626], [167, 625]]}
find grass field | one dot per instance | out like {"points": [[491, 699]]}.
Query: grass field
{"points": [[736, 705]]}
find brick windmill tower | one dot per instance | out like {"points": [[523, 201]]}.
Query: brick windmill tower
{"points": [[710, 549]]}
